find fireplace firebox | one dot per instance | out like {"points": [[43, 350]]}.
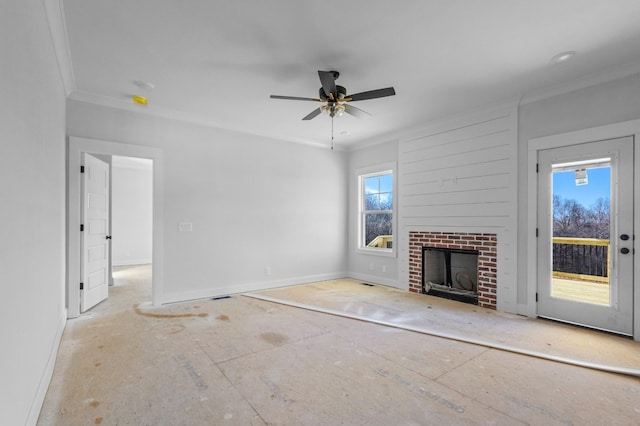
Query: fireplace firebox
{"points": [[450, 273]]}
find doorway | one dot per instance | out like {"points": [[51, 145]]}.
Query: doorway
{"points": [[77, 147], [585, 234], [131, 221]]}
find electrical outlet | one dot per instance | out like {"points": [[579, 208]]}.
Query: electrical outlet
{"points": [[371, 266], [384, 268], [267, 271]]}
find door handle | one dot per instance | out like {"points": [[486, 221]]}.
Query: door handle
{"points": [[624, 237], [624, 250], [108, 237]]}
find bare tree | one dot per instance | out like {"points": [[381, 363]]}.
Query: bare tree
{"points": [[599, 218], [571, 219]]}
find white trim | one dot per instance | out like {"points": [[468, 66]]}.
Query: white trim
{"points": [[375, 279], [372, 251], [248, 287], [54, 10], [610, 131], [372, 171], [45, 379], [77, 146]]}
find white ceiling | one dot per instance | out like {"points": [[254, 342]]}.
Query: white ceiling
{"points": [[217, 61]]}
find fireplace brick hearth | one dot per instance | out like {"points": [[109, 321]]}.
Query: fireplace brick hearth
{"points": [[484, 244]]}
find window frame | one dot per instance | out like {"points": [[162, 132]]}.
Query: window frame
{"points": [[361, 175]]}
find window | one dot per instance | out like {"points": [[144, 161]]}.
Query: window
{"points": [[376, 211]]}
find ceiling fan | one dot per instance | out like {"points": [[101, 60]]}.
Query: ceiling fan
{"points": [[335, 100]]}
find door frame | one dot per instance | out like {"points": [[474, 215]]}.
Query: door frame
{"points": [[77, 146], [611, 131]]}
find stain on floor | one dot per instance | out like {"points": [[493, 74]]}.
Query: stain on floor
{"points": [[154, 315], [275, 339]]}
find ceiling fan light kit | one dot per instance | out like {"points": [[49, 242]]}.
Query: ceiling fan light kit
{"points": [[335, 101]]}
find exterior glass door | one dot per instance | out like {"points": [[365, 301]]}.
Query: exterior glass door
{"points": [[585, 235]]}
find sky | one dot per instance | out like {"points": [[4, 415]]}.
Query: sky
{"points": [[599, 184]]}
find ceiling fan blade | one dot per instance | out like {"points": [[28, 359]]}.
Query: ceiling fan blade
{"points": [[328, 80], [371, 94], [356, 112], [294, 98], [313, 114]]}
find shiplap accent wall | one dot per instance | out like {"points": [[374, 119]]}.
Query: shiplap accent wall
{"points": [[461, 176]]}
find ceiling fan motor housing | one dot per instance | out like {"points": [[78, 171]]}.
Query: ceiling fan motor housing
{"points": [[342, 92]]}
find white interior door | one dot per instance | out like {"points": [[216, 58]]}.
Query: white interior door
{"points": [[585, 234], [94, 263]]}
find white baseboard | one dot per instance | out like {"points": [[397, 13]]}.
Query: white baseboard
{"points": [[45, 380], [247, 287], [374, 279]]}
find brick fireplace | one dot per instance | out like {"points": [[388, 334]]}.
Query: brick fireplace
{"points": [[484, 244]]}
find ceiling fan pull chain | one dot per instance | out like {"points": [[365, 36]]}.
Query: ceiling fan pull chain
{"points": [[331, 133]]}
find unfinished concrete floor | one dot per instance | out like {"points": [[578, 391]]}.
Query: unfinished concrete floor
{"points": [[243, 361]]}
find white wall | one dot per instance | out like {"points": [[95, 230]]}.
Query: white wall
{"points": [[32, 196], [253, 203], [365, 266], [602, 104], [131, 211]]}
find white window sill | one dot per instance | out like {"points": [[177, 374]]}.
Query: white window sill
{"points": [[376, 252]]}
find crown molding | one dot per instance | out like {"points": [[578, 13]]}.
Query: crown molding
{"points": [[58, 31], [125, 104], [594, 79], [506, 107], [474, 115]]}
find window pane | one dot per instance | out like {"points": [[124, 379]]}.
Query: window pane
{"points": [[377, 225], [386, 183], [372, 202], [386, 201], [372, 185]]}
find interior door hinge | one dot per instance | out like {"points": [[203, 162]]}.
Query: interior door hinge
{"points": [[537, 168], [536, 296], [536, 232], [81, 227], [81, 169], [81, 286]]}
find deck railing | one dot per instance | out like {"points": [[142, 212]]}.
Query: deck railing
{"points": [[584, 259], [382, 241]]}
